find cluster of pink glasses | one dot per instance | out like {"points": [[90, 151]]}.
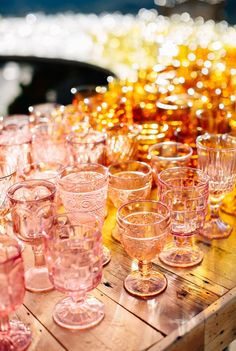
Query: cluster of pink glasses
{"points": [[53, 194]]}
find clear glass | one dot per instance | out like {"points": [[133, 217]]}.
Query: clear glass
{"points": [[217, 158], [74, 258], [169, 154], [84, 188], [49, 144], [128, 181], [14, 335], [185, 192], [32, 207], [87, 147], [144, 226]]}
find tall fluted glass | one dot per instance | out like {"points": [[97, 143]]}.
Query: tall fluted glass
{"points": [[217, 158]]}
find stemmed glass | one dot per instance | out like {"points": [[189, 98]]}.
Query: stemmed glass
{"points": [[185, 192], [87, 147], [84, 187], [74, 258], [14, 335], [32, 207], [169, 154], [144, 226], [217, 158], [128, 181]]}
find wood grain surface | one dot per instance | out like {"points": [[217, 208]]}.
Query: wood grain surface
{"points": [[196, 312]]}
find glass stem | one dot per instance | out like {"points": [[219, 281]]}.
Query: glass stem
{"points": [[4, 324], [144, 268], [183, 241], [39, 259], [214, 210]]}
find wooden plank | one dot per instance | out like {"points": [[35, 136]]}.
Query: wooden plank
{"points": [[217, 324], [179, 303], [120, 330], [41, 338]]}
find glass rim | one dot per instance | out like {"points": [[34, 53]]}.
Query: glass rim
{"points": [[18, 185], [204, 183], [71, 136], [42, 163], [172, 158], [127, 162], [167, 217], [200, 138], [104, 168]]}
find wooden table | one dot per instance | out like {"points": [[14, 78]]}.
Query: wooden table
{"points": [[196, 312]]}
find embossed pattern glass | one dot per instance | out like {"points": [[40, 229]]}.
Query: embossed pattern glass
{"points": [[49, 144], [15, 144], [74, 258], [87, 147], [14, 335], [169, 154], [144, 226], [32, 207], [84, 188], [217, 158], [122, 142], [185, 192], [7, 178], [128, 181]]}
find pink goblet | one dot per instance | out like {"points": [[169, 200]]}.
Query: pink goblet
{"points": [[87, 147], [144, 226], [49, 144], [167, 155], [185, 192], [217, 158], [15, 144], [32, 207], [14, 335], [74, 258], [128, 181], [84, 188]]}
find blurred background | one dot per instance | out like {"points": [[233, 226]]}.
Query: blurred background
{"points": [[30, 80]]}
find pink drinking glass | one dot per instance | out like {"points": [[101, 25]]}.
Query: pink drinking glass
{"points": [[128, 181], [87, 147], [49, 144], [217, 158], [42, 113], [144, 226], [15, 144], [32, 207], [167, 155], [74, 257], [14, 335], [185, 192], [84, 187]]}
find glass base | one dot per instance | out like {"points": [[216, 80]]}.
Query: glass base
{"points": [[37, 279], [82, 315], [216, 229], [106, 255], [18, 338], [115, 233], [153, 285], [181, 257]]}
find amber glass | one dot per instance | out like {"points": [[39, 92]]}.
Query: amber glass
{"points": [[144, 226]]}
